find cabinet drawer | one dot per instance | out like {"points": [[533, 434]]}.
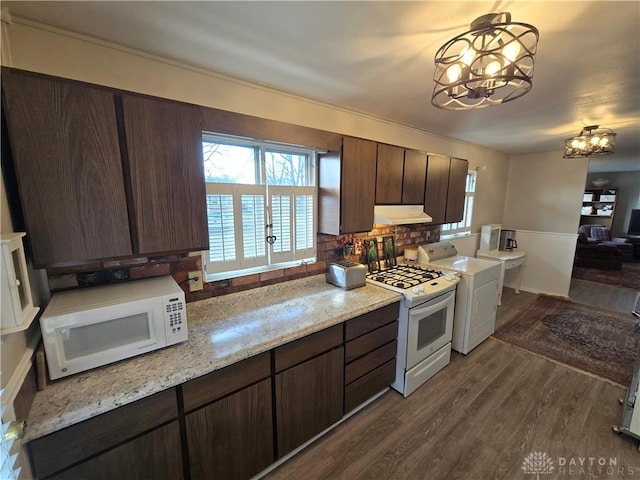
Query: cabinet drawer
{"points": [[371, 320], [369, 342], [359, 367], [366, 387], [63, 448], [513, 263], [217, 384], [307, 347]]}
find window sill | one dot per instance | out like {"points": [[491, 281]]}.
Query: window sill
{"points": [[451, 236], [212, 277]]}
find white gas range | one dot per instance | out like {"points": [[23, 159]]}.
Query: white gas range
{"points": [[426, 321]]}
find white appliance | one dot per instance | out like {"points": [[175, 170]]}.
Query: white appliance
{"points": [[91, 327], [425, 324], [400, 214], [477, 296]]}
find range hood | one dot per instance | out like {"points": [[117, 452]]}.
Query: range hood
{"points": [[400, 214]]}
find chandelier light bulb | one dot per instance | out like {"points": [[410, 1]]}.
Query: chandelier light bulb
{"points": [[493, 68], [454, 72], [511, 51], [468, 55], [595, 140]]}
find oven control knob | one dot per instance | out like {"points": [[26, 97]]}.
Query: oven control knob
{"points": [[449, 277], [418, 289]]}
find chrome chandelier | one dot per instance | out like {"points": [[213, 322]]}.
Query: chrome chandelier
{"points": [[591, 141], [490, 64]]}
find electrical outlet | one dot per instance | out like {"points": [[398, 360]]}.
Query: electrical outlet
{"points": [[195, 285]]}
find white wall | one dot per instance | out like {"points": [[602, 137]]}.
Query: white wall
{"points": [[543, 200], [544, 192]]}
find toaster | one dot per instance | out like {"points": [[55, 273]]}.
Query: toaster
{"points": [[347, 275]]}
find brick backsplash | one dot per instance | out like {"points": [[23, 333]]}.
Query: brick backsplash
{"points": [[179, 265]]}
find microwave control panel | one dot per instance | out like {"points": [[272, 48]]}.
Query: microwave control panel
{"points": [[175, 318]]}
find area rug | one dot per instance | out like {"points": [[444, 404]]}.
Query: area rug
{"points": [[602, 342], [628, 277]]}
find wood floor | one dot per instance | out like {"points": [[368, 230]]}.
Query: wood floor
{"points": [[477, 419]]}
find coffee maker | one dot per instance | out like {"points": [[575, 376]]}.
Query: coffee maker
{"points": [[508, 240]]}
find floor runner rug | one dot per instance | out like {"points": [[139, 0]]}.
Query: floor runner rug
{"points": [[602, 342]]}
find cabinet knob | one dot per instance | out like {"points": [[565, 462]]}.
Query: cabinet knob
{"points": [[17, 283]]}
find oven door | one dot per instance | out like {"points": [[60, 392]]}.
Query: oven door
{"points": [[430, 327]]}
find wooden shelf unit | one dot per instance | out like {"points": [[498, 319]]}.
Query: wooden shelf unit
{"points": [[601, 198]]}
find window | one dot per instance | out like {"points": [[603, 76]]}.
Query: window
{"points": [[464, 226], [261, 205]]}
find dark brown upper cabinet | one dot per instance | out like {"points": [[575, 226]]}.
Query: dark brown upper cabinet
{"points": [[457, 187], [64, 143], [445, 188], [103, 174], [346, 187], [390, 165], [164, 159], [414, 178], [400, 176]]}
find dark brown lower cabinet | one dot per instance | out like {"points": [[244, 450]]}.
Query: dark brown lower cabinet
{"points": [[132, 442], [309, 399], [232, 438], [156, 455]]}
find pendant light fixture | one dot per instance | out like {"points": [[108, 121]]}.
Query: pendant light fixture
{"points": [[490, 64], [591, 141]]}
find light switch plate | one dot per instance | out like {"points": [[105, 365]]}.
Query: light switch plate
{"points": [[195, 285]]}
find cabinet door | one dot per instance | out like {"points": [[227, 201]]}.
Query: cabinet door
{"points": [[64, 142], [309, 398], [232, 438], [358, 185], [415, 173], [164, 146], [156, 455], [390, 163], [456, 193], [437, 185]]}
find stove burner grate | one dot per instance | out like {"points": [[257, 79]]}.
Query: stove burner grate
{"points": [[404, 276]]}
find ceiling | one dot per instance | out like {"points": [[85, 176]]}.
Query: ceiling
{"points": [[377, 58]]}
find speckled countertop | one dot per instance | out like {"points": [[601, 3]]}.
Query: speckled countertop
{"points": [[222, 330]]}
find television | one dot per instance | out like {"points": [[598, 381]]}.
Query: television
{"points": [[634, 223]]}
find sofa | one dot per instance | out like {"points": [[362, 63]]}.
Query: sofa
{"points": [[596, 249]]}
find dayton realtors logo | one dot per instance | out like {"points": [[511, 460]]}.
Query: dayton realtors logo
{"points": [[537, 463]]}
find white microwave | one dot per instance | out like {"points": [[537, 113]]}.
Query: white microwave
{"points": [[91, 327]]}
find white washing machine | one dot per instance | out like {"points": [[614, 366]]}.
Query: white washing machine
{"points": [[476, 297]]}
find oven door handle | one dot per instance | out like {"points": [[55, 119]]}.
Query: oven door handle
{"points": [[433, 307]]}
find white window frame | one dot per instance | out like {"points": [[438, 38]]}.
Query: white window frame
{"points": [[463, 227], [273, 258]]}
